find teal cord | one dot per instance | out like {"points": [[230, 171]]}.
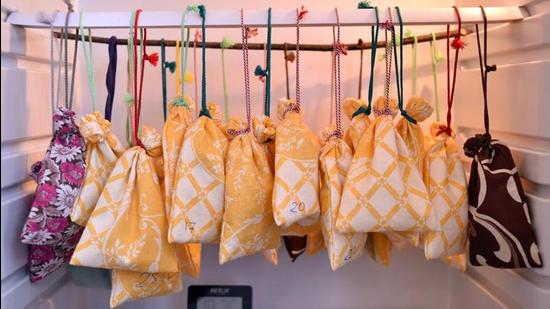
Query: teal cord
{"points": [[204, 108], [163, 74], [267, 103], [88, 59], [374, 46], [399, 68]]}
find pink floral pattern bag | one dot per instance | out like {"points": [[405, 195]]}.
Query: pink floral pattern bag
{"points": [[48, 229]]}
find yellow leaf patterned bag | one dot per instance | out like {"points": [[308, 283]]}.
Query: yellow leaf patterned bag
{"points": [[335, 159], [296, 189], [384, 191], [102, 151], [198, 202], [128, 227], [248, 225], [446, 182]]}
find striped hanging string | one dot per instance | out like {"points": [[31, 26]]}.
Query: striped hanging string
{"points": [[244, 40], [388, 26], [339, 49]]}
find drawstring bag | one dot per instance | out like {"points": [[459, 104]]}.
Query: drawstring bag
{"points": [[501, 232], [128, 227], [446, 182], [378, 245], [417, 110], [198, 202], [384, 191], [248, 225], [296, 189], [180, 117], [102, 150], [334, 160], [48, 230]]}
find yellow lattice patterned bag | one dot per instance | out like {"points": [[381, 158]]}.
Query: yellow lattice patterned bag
{"points": [[296, 189], [419, 110], [127, 229], [384, 191], [378, 245], [446, 182], [335, 159], [248, 225], [197, 205], [102, 151]]}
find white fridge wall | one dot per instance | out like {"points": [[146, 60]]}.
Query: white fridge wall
{"points": [[410, 282]]}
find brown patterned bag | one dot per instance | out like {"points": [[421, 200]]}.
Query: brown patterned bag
{"points": [[501, 234]]}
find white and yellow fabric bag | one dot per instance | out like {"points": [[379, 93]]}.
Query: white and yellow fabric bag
{"points": [[296, 189], [198, 201], [446, 182], [383, 190], [248, 225], [127, 229]]}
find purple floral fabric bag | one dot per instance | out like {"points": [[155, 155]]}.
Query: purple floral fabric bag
{"points": [[59, 175]]}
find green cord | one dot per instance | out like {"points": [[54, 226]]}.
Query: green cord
{"points": [[225, 94], [435, 60], [374, 46], [204, 109], [129, 99], [399, 68], [267, 103], [163, 75], [88, 59]]}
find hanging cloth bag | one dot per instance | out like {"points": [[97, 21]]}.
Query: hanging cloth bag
{"points": [[248, 225], [127, 229], [334, 160], [180, 117], [501, 234], [383, 189], [102, 150], [198, 201], [445, 178], [48, 230], [102, 146], [296, 189]]}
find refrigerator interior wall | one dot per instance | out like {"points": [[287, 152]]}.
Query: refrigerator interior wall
{"points": [[519, 95]]}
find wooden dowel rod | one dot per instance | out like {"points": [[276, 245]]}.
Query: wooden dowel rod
{"points": [[279, 46]]}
